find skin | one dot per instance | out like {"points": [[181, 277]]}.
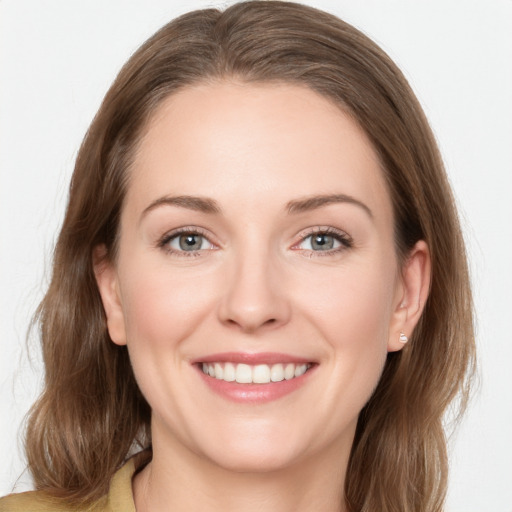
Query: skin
{"points": [[256, 285]]}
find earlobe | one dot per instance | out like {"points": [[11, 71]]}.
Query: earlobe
{"points": [[412, 296], [107, 281]]}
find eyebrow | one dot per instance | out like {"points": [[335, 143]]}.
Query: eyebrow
{"points": [[199, 204], [317, 201], [207, 205]]}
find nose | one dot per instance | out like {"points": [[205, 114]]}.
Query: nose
{"points": [[255, 295]]}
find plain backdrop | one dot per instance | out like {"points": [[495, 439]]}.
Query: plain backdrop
{"points": [[57, 59]]}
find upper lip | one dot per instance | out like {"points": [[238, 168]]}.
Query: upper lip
{"points": [[251, 358]]}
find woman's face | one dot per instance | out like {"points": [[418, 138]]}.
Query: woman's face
{"points": [[256, 245]]}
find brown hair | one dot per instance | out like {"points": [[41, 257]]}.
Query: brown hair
{"points": [[91, 414]]}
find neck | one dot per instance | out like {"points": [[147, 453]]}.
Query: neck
{"points": [[175, 480]]}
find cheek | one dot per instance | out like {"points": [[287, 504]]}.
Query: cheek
{"points": [[353, 305], [352, 311], [162, 307], [162, 310]]}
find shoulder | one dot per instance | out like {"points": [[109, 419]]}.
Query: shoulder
{"points": [[39, 501], [119, 497]]}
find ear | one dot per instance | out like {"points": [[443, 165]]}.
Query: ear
{"points": [[411, 296], [107, 280]]}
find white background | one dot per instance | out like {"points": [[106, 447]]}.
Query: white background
{"points": [[57, 59]]}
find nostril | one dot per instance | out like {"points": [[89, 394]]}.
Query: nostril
{"points": [[248, 325]]}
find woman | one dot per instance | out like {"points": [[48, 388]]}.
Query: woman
{"points": [[260, 284]]}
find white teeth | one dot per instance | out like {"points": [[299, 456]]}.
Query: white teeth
{"points": [[277, 373], [243, 374], [261, 374], [258, 374], [300, 370], [289, 371], [229, 372], [219, 371]]}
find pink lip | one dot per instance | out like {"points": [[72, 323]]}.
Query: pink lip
{"points": [[252, 359], [253, 393]]}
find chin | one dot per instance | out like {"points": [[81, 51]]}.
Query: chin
{"points": [[258, 450], [241, 460]]}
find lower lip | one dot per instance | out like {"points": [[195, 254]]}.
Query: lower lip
{"points": [[255, 393]]}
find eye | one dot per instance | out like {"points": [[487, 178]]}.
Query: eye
{"points": [[189, 242], [320, 242], [186, 242], [325, 241]]}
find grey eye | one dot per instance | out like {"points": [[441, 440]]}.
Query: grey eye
{"points": [[189, 242], [320, 242]]}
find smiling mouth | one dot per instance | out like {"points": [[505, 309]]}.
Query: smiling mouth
{"points": [[254, 374]]}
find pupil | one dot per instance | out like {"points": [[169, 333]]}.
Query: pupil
{"points": [[323, 242], [189, 242]]}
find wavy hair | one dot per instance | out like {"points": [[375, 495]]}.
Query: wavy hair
{"points": [[91, 414]]}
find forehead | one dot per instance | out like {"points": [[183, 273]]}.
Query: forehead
{"points": [[252, 143]]}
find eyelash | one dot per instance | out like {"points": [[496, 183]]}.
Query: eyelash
{"points": [[163, 243], [343, 238]]}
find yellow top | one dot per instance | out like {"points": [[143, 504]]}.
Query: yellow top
{"points": [[118, 499]]}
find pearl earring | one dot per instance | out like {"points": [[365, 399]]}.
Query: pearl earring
{"points": [[403, 338]]}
